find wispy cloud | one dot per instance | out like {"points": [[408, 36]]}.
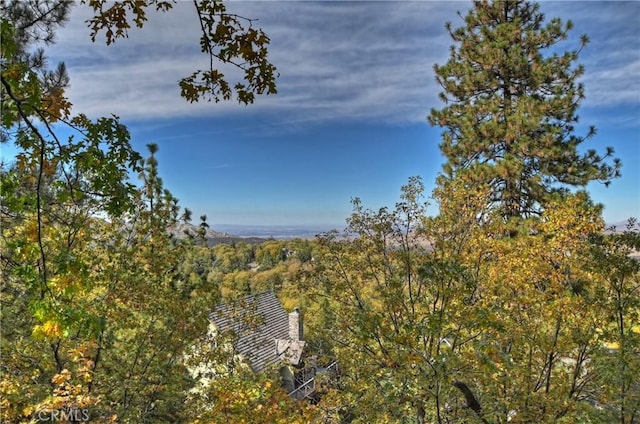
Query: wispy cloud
{"points": [[221, 166], [337, 60]]}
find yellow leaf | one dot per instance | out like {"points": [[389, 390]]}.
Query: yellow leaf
{"points": [[60, 378]]}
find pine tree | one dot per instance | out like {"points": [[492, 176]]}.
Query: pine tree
{"points": [[510, 108]]}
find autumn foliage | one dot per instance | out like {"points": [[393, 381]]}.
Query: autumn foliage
{"points": [[507, 302]]}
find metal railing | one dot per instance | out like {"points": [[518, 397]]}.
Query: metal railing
{"points": [[333, 367], [304, 390], [307, 388]]}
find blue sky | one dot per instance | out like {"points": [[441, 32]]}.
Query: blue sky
{"points": [[349, 120]]}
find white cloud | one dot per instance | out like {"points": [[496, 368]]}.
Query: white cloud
{"points": [[352, 60], [615, 85]]}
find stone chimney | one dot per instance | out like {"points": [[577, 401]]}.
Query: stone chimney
{"points": [[295, 325]]}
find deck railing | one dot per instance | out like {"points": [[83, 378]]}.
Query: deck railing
{"points": [[307, 388], [304, 390]]}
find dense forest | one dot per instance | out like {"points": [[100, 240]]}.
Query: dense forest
{"points": [[509, 303]]}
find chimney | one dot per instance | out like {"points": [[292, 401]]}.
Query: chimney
{"points": [[295, 325]]}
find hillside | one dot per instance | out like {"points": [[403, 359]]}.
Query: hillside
{"points": [[213, 237]]}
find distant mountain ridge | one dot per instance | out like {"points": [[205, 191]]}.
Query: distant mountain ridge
{"points": [[256, 234], [621, 226], [280, 232], [213, 237]]}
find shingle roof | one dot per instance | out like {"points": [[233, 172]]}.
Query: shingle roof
{"points": [[256, 321], [290, 351]]}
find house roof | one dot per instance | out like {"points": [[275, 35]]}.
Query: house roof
{"points": [[255, 322], [290, 351]]}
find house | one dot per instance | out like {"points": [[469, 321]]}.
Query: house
{"points": [[254, 323], [266, 337]]}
